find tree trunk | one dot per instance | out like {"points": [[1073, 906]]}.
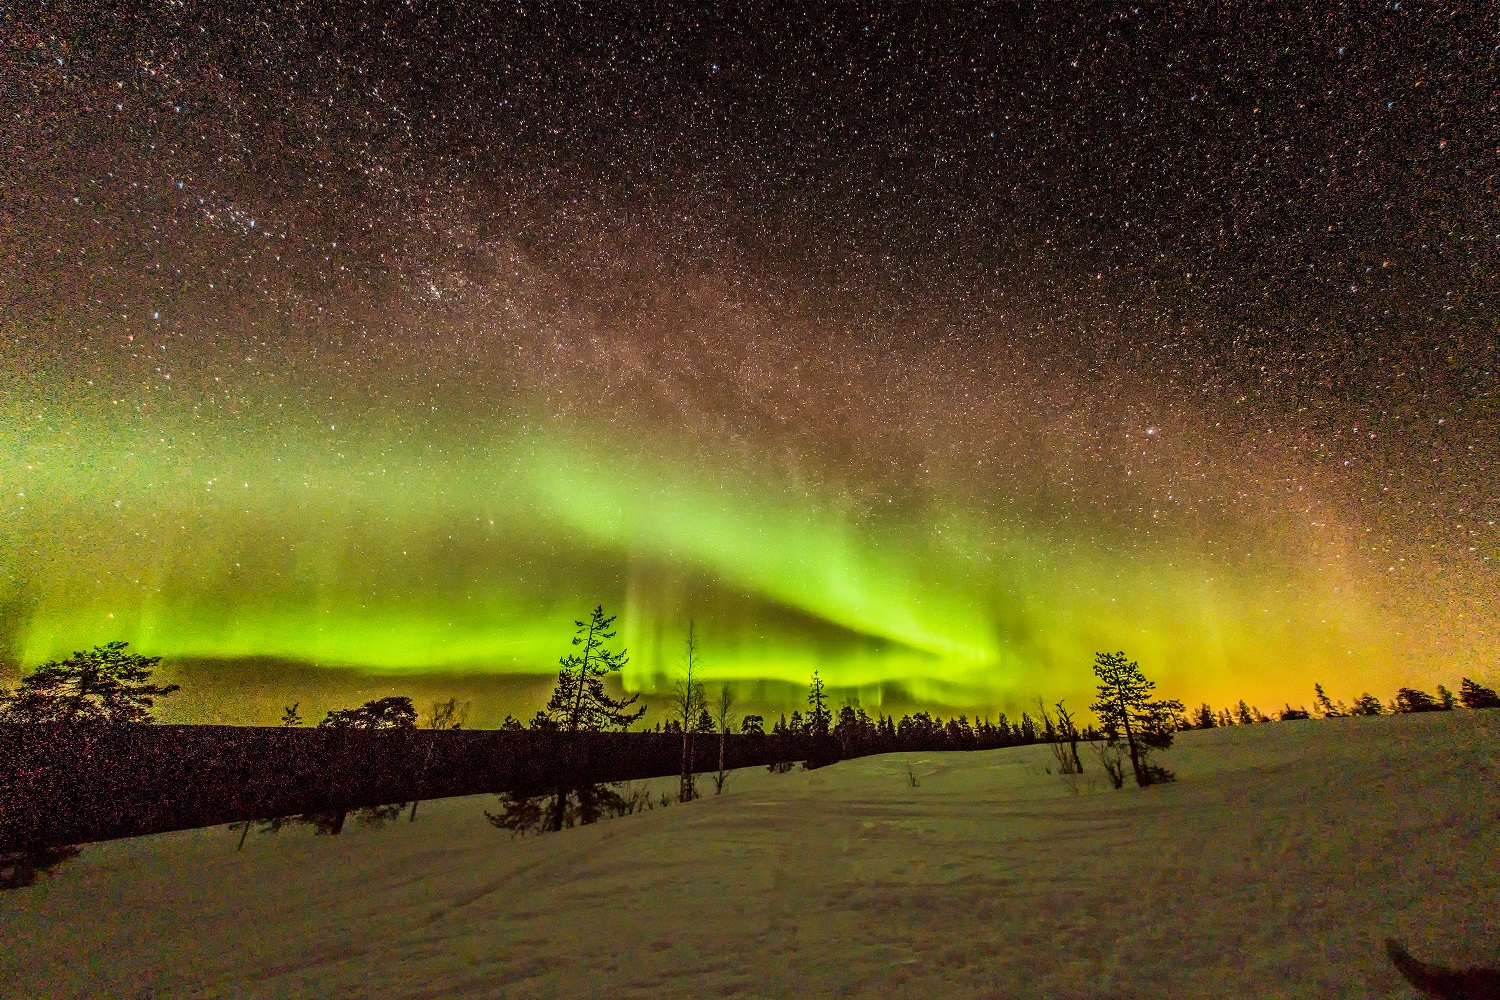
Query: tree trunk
{"points": [[583, 669], [1135, 758], [686, 792]]}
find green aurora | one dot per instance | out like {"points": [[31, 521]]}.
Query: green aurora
{"points": [[467, 544]]}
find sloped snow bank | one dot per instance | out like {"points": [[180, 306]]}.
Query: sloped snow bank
{"points": [[1275, 866]]}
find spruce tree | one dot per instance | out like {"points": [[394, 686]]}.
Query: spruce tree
{"points": [[819, 720]]}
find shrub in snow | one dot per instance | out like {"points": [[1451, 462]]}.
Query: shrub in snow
{"points": [[1112, 758]]}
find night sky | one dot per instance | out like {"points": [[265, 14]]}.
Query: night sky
{"points": [[360, 349]]}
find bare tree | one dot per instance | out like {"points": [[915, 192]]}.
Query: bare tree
{"points": [[1064, 738], [687, 703], [441, 717], [722, 707]]}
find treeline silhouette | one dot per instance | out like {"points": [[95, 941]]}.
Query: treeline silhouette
{"points": [[1407, 701], [81, 761]]}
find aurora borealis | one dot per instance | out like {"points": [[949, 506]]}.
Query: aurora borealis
{"points": [[935, 356]]}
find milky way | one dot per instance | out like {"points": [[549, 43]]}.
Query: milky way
{"points": [[933, 353]]}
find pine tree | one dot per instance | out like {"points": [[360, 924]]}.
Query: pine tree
{"points": [[381, 713], [1411, 700], [1243, 715], [291, 717], [1367, 704], [579, 704], [378, 714], [1204, 718], [1445, 699], [1125, 705], [103, 685], [1471, 695]]}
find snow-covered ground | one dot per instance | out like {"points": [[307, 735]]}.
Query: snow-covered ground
{"points": [[1275, 866]]}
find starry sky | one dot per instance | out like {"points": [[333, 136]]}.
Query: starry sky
{"points": [[354, 349]]}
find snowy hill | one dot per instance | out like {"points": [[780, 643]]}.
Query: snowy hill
{"points": [[1275, 866]]}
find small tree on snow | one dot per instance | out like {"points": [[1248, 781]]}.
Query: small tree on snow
{"points": [[104, 685], [1064, 738], [1125, 705], [687, 703], [723, 719], [1367, 704], [443, 716]]}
